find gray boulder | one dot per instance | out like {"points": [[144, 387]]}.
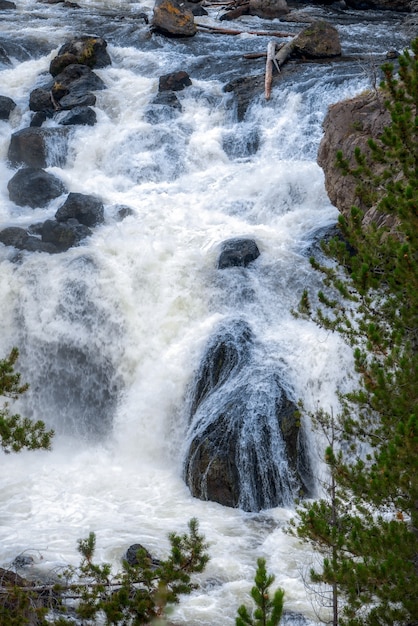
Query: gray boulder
{"points": [[32, 186], [87, 210], [64, 235], [317, 41], [268, 9], [6, 107], [173, 19], [79, 115], [38, 147], [238, 253], [20, 239], [176, 81]]}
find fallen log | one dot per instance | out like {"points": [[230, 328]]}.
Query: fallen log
{"points": [[278, 58], [229, 31], [271, 51]]}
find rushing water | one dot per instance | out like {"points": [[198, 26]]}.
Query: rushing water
{"points": [[112, 332]]}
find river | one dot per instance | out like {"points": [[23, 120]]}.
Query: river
{"points": [[112, 332]]}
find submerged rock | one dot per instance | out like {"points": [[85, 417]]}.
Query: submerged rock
{"points": [[245, 445]]}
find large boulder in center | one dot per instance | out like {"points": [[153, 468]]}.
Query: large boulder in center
{"points": [[317, 41], [245, 446], [38, 147], [87, 210], [32, 186], [173, 19], [85, 50], [268, 9]]}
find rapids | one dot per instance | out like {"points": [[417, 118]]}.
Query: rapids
{"points": [[111, 332]]}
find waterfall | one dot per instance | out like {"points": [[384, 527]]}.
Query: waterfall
{"points": [[114, 334]]}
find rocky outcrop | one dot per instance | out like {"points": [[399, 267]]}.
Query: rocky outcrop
{"points": [[245, 445], [34, 187], [347, 125], [71, 88], [6, 107], [238, 253], [173, 19], [38, 147]]}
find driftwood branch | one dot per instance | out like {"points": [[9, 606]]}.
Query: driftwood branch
{"points": [[278, 58]]}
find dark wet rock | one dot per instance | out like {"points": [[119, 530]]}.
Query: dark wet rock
{"points": [[6, 107], [87, 210], [40, 100], [171, 18], [72, 101], [79, 115], [39, 118], [73, 87], [86, 50], [176, 81], [317, 41], [165, 106], [238, 253], [4, 57], [196, 9], [38, 147], [64, 235], [268, 9], [34, 187], [19, 238], [137, 549], [6, 5], [246, 447], [245, 90]]}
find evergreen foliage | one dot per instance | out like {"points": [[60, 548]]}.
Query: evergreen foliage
{"points": [[268, 611], [16, 432], [91, 593], [367, 523]]}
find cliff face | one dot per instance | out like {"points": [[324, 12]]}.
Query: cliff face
{"points": [[349, 124]]}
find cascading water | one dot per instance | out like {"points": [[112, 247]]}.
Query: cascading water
{"points": [[111, 333]]}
